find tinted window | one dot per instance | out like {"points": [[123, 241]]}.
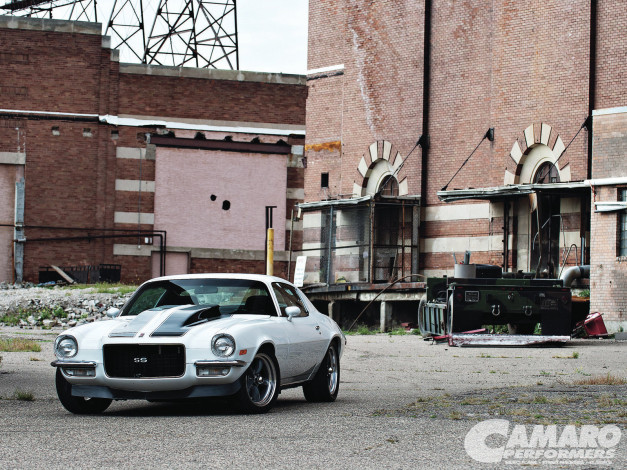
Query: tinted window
{"points": [[288, 297], [231, 295]]}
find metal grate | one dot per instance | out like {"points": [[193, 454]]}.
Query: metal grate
{"points": [[144, 361]]}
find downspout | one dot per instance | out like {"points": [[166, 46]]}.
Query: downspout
{"points": [[426, 91], [592, 80]]}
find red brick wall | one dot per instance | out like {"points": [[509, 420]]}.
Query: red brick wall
{"points": [[505, 65], [51, 71], [207, 265], [377, 98], [610, 146], [608, 270], [192, 98], [611, 66], [61, 67]]}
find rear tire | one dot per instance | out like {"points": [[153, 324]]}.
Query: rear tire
{"points": [[326, 382], [78, 405]]}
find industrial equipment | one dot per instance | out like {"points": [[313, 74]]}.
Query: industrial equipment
{"points": [[482, 295]]}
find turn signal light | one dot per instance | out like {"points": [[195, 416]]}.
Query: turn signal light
{"points": [[212, 371]]}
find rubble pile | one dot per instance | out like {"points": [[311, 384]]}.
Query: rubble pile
{"points": [[29, 306]]}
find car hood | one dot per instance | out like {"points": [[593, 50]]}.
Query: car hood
{"points": [[159, 325]]}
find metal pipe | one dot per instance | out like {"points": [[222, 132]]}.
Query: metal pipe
{"points": [[289, 259], [575, 272], [161, 236], [270, 252]]}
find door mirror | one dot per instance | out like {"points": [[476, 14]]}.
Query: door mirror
{"points": [[292, 312], [113, 312]]}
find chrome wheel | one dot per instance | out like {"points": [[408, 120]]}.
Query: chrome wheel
{"points": [[332, 370], [326, 383], [261, 380]]}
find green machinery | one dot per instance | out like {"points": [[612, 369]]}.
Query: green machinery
{"points": [[487, 297]]}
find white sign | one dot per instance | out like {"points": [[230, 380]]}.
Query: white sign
{"points": [[299, 271]]}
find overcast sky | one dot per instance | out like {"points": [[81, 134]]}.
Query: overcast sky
{"points": [[273, 35]]}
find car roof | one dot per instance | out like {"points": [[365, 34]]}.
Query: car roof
{"points": [[251, 277]]}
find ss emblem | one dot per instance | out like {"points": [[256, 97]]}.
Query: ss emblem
{"points": [[140, 359]]}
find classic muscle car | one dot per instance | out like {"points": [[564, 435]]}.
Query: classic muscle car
{"points": [[202, 335]]}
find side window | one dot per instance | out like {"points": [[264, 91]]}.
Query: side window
{"points": [[287, 297], [147, 299]]}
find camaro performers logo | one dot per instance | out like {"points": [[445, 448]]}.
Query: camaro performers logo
{"points": [[495, 441]]}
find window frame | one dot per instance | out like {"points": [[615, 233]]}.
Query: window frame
{"points": [[279, 292]]}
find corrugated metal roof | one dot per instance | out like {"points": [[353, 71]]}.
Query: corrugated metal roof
{"points": [[512, 190]]}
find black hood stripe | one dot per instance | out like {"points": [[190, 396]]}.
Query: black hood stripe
{"points": [[183, 319]]}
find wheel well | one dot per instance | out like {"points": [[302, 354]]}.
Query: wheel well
{"points": [[267, 348], [337, 342]]}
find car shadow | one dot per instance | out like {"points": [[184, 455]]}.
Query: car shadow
{"points": [[200, 407]]}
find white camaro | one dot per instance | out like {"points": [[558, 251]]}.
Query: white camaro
{"points": [[202, 335]]}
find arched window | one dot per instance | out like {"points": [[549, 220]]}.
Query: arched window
{"points": [[547, 173], [388, 186]]}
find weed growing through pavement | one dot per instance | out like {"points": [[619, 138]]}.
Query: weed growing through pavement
{"points": [[23, 395], [19, 345], [601, 380], [397, 332]]}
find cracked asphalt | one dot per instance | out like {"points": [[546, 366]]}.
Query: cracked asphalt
{"points": [[403, 403]]}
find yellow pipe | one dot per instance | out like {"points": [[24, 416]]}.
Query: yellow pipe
{"points": [[270, 253]]}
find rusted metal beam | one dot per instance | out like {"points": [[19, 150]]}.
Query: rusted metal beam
{"points": [[504, 340], [245, 147]]}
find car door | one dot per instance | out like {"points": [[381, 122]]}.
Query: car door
{"points": [[305, 339]]}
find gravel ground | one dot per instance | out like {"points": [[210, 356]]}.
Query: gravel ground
{"points": [[403, 403], [57, 306]]}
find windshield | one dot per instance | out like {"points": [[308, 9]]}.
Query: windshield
{"points": [[230, 295]]}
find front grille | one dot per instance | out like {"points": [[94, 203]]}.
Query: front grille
{"points": [[144, 360]]}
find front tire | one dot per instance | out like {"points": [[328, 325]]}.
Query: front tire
{"points": [[78, 405], [326, 382], [259, 385]]}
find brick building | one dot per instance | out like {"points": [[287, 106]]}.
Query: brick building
{"points": [[156, 169], [486, 122]]}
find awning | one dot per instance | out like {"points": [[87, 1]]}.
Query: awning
{"points": [[415, 200], [611, 206], [514, 190]]}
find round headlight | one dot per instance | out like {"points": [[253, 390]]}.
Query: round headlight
{"points": [[65, 346], [223, 345]]}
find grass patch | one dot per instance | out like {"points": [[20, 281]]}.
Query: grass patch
{"points": [[608, 379], [361, 330], [455, 415], [23, 395], [574, 355], [104, 288], [397, 332], [19, 345]]}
